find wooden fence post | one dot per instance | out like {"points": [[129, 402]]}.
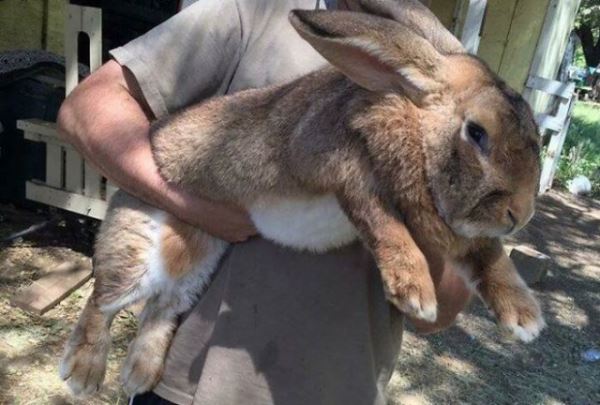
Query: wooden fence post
{"points": [[469, 16]]}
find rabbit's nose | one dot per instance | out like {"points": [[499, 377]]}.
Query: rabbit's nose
{"points": [[520, 212], [512, 218]]}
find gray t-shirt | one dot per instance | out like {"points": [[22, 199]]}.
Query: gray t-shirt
{"points": [[276, 326]]}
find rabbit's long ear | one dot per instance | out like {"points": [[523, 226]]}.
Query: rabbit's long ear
{"points": [[377, 53], [415, 15]]}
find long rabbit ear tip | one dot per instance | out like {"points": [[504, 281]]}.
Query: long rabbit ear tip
{"points": [[295, 17], [300, 20], [297, 14], [299, 17]]}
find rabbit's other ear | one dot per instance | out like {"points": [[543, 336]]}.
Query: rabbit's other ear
{"points": [[416, 16], [377, 53]]}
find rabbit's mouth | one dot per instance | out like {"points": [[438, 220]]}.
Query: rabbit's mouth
{"points": [[490, 216], [472, 230], [477, 221]]}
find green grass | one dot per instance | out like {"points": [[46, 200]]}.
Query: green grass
{"points": [[581, 153], [579, 58]]}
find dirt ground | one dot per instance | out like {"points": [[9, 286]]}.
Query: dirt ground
{"points": [[31, 345], [469, 363]]}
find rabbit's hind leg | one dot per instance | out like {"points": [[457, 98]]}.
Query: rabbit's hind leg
{"points": [[83, 364], [146, 354], [199, 253], [123, 275]]}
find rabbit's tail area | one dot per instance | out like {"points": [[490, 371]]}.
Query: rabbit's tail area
{"points": [[143, 253]]}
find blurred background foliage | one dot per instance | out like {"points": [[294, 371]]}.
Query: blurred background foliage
{"points": [[581, 153]]}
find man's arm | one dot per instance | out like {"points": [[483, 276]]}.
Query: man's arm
{"points": [[107, 120]]}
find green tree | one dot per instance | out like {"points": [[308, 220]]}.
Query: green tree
{"points": [[587, 27]]}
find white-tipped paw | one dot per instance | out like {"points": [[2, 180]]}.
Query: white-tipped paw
{"points": [[415, 303], [520, 314], [527, 331]]}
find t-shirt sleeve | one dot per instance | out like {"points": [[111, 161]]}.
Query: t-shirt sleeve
{"points": [[189, 57]]}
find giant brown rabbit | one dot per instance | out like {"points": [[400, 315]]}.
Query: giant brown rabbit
{"points": [[407, 143]]}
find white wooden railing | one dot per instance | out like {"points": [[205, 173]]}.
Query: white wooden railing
{"points": [[557, 123], [71, 183]]}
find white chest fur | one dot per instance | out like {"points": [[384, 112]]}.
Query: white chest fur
{"points": [[314, 223]]}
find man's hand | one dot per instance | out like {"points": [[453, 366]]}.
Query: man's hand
{"points": [[108, 121], [227, 222], [452, 297]]}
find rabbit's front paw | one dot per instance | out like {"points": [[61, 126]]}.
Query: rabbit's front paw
{"points": [[519, 312], [412, 291]]}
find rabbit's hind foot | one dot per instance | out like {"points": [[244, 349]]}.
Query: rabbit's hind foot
{"points": [[146, 354], [83, 364]]}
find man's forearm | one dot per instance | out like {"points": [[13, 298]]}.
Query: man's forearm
{"points": [[105, 119], [110, 129]]}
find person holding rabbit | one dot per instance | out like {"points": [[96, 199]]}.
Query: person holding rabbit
{"points": [[275, 325]]}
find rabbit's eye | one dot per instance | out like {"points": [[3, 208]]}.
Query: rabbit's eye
{"points": [[478, 135]]}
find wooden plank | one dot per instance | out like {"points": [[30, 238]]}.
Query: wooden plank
{"points": [[525, 28], [546, 121], [110, 190], [554, 36], [35, 137], [72, 27], [80, 204], [564, 108], [54, 169], [91, 23], [470, 16], [92, 182], [57, 283], [88, 20], [494, 36], [73, 171], [553, 153], [554, 87], [559, 122], [38, 126], [45, 131], [564, 92], [550, 37]]}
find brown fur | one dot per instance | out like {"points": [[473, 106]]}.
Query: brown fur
{"points": [[146, 354], [182, 246], [502, 289], [84, 360], [121, 248], [391, 152]]}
